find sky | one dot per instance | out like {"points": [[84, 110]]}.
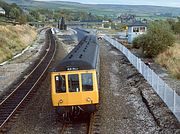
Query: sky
{"points": [[169, 3]]}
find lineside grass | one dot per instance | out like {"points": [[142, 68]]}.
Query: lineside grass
{"points": [[170, 59], [13, 39]]}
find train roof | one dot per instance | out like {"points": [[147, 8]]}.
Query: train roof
{"points": [[83, 57]]}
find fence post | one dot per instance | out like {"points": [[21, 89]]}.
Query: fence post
{"points": [[140, 67], [165, 92], [163, 87], [151, 78], [174, 104], [157, 85]]}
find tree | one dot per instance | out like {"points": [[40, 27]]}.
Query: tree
{"points": [[6, 7], [177, 27], [22, 19], [106, 25], [34, 14], [14, 13], [159, 37]]}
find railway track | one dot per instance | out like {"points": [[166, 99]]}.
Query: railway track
{"points": [[75, 128], [10, 105], [85, 126]]}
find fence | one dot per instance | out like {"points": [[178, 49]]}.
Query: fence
{"points": [[169, 96]]}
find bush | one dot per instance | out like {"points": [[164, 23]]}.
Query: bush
{"points": [[159, 37], [137, 41]]}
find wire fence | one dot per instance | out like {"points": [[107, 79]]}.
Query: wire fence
{"points": [[168, 95]]}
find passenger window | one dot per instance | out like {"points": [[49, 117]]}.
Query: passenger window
{"points": [[87, 82], [73, 82], [60, 83]]}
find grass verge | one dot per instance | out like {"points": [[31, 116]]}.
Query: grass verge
{"points": [[13, 39], [170, 59]]}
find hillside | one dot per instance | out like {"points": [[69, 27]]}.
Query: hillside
{"points": [[100, 9], [14, 39]]}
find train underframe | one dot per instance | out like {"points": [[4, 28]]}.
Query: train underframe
{"points": [[69, 113]]}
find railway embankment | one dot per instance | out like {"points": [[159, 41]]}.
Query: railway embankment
{"points": [[26, 88], [16, 67], [14, 39]]}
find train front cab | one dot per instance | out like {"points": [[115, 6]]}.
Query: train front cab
{"points": [[74, 88]]}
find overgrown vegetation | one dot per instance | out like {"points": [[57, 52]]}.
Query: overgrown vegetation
{"points": [[13, 12], [175, 25], [14, 39], [159, 38], [159, 43], [170, 59]]}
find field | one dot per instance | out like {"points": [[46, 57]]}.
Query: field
{"points": [[97, 9], [14, 39]]}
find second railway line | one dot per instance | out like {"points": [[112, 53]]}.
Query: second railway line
{"points": [[12, 102]]}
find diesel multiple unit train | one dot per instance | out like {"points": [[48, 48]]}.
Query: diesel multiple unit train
{"points": [[74, 82]]}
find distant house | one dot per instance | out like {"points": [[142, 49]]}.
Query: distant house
{"points": [[135, 29], [127, 18], [2, 11]]}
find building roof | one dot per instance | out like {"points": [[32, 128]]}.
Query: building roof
{"points": [[137, 23], [1, 9]]}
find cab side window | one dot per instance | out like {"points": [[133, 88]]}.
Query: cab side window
{"points": [[87, 82], [60, 83], [73, 82], [135, 29]]}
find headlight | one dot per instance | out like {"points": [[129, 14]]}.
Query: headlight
{"points": [[60, 101], [89, 99]]}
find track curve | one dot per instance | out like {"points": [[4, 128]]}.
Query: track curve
{"points": [[10, 104]]}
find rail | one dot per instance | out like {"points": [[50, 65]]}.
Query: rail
{"points": [[88, 125], [167, 94], [13, 101]]}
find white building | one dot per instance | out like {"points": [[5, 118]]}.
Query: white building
{"points": [[2, 11], [135, 29]]}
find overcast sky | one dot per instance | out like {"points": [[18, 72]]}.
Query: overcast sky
{"points": [[171, 3]]}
